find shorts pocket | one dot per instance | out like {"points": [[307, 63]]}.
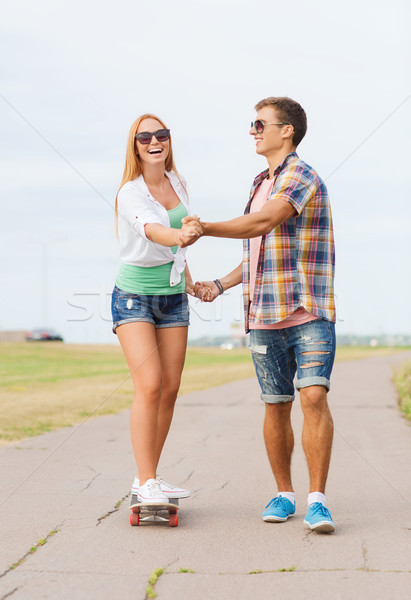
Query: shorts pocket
{"points": [[125, 300]]}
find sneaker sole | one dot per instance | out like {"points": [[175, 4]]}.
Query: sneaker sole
{"points": [[272, 519], [321, 526]]}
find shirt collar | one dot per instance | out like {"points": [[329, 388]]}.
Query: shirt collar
{"points": [[175, 182], [278, 169]]}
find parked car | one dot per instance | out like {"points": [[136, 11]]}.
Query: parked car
{"points": [[44, 334]]}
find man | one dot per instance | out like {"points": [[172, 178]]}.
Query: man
{"points": [[287, 274]]}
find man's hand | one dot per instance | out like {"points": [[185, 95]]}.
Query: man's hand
{"points": [[190, 231], [207, 290], [252, 225]]}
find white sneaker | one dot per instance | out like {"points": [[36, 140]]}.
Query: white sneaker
{"points": [[171, 491], [151, 493]]}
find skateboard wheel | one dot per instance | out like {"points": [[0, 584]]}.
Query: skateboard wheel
{"points": [[134, 519], [173, 520]]}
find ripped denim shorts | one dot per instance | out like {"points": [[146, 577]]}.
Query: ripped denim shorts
{"points": [[307, 350]]}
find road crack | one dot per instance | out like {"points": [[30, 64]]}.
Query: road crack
{"points": [[90, 482], [32, 550], [9, 594], [365, 566], [113, 510]]}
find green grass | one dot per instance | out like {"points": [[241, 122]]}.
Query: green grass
{"points": [[24, 364], [402, 379], [186, 570], [150, 590], [34, 549], [283, 570], [46, 386]]}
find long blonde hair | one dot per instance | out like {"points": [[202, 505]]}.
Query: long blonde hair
{"points": [[133, 167]]}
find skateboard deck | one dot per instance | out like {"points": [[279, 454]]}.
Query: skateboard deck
{"points": [[146, 512]]}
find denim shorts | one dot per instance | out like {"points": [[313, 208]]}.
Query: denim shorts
{"points": [[280, 354], [162, 311]]}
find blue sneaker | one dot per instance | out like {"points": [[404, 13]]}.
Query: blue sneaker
{"points": [[278, 510], [319, 518]]}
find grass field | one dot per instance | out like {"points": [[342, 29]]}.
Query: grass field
{"points": [[45, 386]]}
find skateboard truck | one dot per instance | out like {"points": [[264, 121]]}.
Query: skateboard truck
{"points": [[145, 512]]}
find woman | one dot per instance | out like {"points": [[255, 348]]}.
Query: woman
{"points": [[149, 303]]}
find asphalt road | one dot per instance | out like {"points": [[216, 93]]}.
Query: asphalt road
{"points": [[65, 495]]}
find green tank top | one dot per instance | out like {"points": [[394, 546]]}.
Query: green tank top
{"points": [[153, 281]]}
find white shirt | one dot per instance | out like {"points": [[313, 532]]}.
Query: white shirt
{"points": [[136, 208]]}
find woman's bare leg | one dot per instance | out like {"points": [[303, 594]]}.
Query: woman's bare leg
{"points": [[172, 344], [141, 350]]}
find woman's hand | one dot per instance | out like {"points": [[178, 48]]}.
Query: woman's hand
{"points": [[194, 289], [190, 287], [190, 231], [207, 290], [201, 290]]}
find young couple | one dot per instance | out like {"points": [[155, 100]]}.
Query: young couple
{"points": [[287, 274]]}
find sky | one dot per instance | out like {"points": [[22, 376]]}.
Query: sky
{"points": [[75, 75]]}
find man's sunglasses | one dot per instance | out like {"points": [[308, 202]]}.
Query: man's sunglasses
{"points": [[145, 137], [259, 125]]}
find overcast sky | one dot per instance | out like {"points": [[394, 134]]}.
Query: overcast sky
{"points": [[75, 75]]}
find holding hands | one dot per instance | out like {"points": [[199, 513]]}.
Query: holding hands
{"points": [[206, 291], [191, 230]]}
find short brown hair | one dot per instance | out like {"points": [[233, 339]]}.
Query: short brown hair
{"points": [[289, 111]]}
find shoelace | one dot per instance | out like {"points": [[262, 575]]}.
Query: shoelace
{"points": [[278, 501], [160, 480], [154, 488], [320, 509]]}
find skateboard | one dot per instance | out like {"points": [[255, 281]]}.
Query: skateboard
{"points": [[146, 512]]}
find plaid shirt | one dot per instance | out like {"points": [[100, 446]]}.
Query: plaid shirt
{"points": [[297, 259]]}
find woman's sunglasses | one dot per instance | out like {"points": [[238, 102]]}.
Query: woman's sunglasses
{"points": [[145, 137], [259, 125]]}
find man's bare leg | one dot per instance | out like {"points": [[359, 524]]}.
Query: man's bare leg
{"points": [[279, 442], [317, 434]]}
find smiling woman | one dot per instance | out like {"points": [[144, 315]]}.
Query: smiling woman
{"points": [[149, 303], [133, 166]]}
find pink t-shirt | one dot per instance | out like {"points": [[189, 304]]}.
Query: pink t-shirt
{"points": [[299, 316]]}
